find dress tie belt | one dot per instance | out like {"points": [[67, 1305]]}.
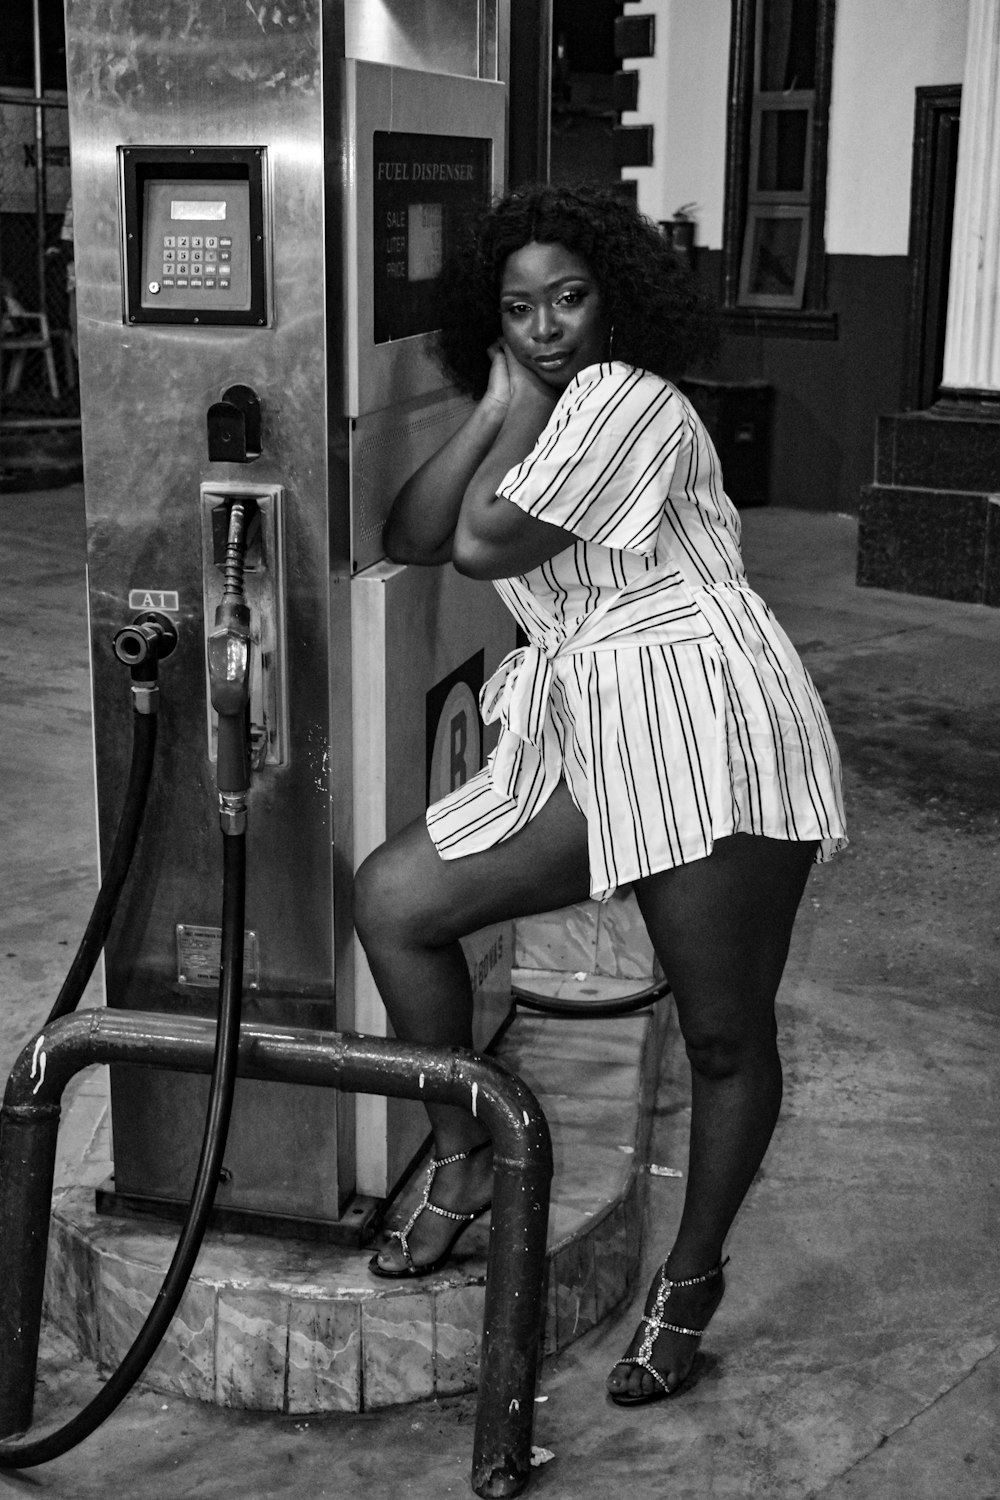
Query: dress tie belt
{"points": [[517, 694]]}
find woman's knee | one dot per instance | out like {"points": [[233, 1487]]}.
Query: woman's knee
{"points": [[718, 1052], [382, 896], [400, 896]]}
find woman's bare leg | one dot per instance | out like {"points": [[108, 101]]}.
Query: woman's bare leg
{"points": [[721, 928], [411, 908]]}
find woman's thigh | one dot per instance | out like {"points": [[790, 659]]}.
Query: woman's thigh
{"points": [[721, 927], [406, 892]]}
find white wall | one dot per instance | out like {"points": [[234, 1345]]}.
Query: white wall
{"points": [[882, 52], [682, 94]]}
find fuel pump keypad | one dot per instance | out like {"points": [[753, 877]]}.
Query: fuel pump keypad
{"points": [[197, 247], [197, 261]]}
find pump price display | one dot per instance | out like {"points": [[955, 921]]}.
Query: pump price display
{"points": [[190, 208], [423, 186]]}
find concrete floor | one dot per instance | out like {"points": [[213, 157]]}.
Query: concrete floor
{"points": [[855, 1356]]}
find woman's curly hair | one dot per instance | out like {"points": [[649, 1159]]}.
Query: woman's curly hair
{"points": [[662, 320]]}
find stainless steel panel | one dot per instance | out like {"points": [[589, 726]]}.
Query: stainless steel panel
{"points": [[387, 446], [397, 99], [437, 36], [207, 72], [414, 629], [204, 72]]}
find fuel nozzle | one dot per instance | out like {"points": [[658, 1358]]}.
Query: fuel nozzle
{"points": [[229, 676], [142, 646]]}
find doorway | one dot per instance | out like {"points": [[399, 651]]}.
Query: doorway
{"points": [[932, 207]]}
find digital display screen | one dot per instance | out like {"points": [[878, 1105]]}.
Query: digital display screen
{"points": [[192, 208], [424, 187], [425, 234]]}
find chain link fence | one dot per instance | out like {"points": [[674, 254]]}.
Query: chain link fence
{"points": [[38, 372]]}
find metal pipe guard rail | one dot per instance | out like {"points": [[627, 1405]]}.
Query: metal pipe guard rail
{"points": [[29, 1123]]}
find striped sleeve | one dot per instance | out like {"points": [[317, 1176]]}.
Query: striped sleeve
{"points": [[603, 464]]}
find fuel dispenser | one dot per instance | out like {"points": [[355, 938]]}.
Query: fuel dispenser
{"points": [[263, 199]]}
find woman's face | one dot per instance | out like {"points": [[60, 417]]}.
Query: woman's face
{"points": [[551, 313]]}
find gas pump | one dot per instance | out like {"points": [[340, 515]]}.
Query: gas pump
{"points": [[264, 197]]}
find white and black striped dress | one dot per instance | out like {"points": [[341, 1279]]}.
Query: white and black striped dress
{"points": [[655, 681]]}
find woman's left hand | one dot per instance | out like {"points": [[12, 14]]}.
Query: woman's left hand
{"points": [[528, 387]]}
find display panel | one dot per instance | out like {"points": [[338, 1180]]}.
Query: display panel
{"points": [[423, 188], [426, 149]]}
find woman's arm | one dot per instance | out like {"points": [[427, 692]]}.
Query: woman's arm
{"points": [[421, 523], [422, 519], [449, 509], [493, 537]]}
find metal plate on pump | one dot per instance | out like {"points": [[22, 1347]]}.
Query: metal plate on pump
{"points": [[193, 225], [427, 150], [199, 957]]}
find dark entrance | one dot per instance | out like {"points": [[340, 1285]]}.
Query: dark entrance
{"points": [[932, 204]]}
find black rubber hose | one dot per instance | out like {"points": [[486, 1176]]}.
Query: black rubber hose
{"points": [[551, 1006], [126, 837], [26, 1454]]}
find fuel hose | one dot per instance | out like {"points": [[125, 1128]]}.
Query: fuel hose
{"points": [[127, 835], [229, 658], [24, 1455]]}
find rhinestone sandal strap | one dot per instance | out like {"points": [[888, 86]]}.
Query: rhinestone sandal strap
{"points": [[402, 1235], [694, 1280], [446, 1161], [654, 1320], [644, 1364]]}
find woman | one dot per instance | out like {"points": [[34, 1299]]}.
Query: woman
{"points": [[658, 729]]}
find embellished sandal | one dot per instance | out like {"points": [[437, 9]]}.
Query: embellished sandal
{"points": [[411, 1268], [654, 1327]]}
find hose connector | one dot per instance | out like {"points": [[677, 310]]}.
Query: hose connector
{"points": [[142, 646], [232, 813]]}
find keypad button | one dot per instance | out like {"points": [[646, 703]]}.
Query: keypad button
{"points": [[183, 239], [184, 255], [182, 281], [169, 239], [225, 255], [223, 240], [223, 284], [209, 281], [168, 255], [211, 241], [168, 281], [196, 281], [196, 239]]}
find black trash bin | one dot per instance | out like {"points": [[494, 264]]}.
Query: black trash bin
{"points": [[738, 415]]}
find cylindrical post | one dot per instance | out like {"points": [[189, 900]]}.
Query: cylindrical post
{"points": [[515, 1284], [972, 340], [40, 164], [27, 1168]]}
